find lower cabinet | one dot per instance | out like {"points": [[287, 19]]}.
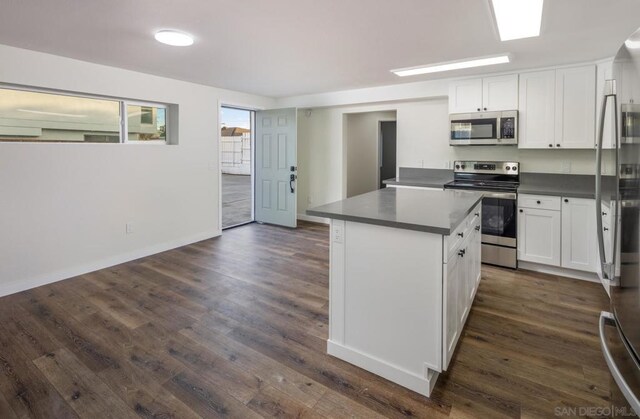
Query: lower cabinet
{"points": [[539, 235], [460, 284], [579, 238], [558, 231]]}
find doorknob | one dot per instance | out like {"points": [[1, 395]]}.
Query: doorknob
{"points": [[292, 178]]}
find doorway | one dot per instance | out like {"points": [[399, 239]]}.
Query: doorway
{"points": [[237, 165], [369, 147], [387, 151]]}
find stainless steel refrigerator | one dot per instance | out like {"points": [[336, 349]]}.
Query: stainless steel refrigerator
{"points": [[620, 256]]}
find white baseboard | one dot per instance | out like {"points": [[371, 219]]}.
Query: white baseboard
{"points": [[311, 218], [39, 280], [402, 377], [554, 270]]}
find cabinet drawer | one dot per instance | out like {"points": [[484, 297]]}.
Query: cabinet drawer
{"points": [[539, 202], [464, 230]]}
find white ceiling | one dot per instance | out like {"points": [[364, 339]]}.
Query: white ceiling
{"points": [[290, 47]]}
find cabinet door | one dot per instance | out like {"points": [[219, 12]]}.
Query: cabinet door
{"points": [[463, 285], [576, 107], [537, 105], [500, 93], [579, 240], [451, 320], [539, 236], [465, 96], [604, 73], [476, 245]]}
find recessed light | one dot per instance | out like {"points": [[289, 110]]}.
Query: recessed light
{"points": [[174, 38], [452, 65], [518, 19]]}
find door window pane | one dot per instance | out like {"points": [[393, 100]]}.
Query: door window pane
{"points": [[36, 116], [146, 123]]}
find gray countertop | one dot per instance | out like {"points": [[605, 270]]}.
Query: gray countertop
{"points": [[556, 184], [571, 186], [439, 212], [426, 178]]}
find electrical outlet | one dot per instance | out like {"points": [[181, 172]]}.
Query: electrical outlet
{"points": [[338, 234], [129, 228], [566, 166]]}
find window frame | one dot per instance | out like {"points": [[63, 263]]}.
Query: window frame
{"points": [[124, 121], [123, 126]]}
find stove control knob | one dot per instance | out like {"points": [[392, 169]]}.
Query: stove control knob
{"points": [[508, 168], [462, 166], [457, 166]]}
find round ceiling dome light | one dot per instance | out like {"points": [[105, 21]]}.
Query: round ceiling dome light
{"points": [[174, 38]]}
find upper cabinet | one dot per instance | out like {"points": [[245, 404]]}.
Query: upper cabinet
{"points": [[557, 108], [537, 110], [499, 93], [576, 107], [604, 72], [465, 96]]}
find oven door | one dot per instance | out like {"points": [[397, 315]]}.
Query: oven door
{"points": [[499, 220], [474, 131]]}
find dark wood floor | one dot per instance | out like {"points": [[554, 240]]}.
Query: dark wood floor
{"points": [[236, 327]]}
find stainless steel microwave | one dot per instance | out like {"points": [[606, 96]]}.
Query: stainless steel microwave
{"points": [[484, 128]]}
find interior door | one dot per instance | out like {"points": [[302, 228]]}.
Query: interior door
{"points": [[276, 167], [388, 151]]}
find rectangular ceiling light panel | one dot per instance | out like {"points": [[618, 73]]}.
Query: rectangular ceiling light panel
{"points": [[518, 19], [454, 65]]}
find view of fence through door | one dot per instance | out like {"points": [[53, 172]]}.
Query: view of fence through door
{"points": [[236, 165]]}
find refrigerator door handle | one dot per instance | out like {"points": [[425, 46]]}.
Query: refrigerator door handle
{"points": [[608, 269], [606, 317]]}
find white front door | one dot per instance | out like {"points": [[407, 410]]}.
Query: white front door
{"points": [[276, 167]]}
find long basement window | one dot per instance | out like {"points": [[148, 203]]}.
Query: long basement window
{"points": [[40, 116]]}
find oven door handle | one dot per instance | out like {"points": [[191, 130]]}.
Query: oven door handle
{"points": [[500, 195]]}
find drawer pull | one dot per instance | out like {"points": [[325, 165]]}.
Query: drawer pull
{"points": [[538, 202], [462, 252], [605, 229], [461, 234], [566, 200], [477, 214], [521, 210], [477, 228], [604, 214]]}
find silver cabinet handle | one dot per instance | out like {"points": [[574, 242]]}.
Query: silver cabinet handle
{"points": [[615, 372]]}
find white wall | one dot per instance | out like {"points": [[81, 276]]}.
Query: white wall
{"points": [[64, 206], [362, 145]]}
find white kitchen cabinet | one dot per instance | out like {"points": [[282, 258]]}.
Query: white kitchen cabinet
{"points": [[579, 234], [451, 318], [557, 108], [465, 96], [499, 93], [604, 73], [558, 231], [539, 236], [461, 281], [537, 104], [575, 107]]}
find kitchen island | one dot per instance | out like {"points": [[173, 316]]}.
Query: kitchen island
{"points": [[404, 269]]}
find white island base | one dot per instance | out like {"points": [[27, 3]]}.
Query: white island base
{"points": [[399, 298]]}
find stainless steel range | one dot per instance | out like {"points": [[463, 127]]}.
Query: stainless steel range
{"points": [[499, 181]]}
